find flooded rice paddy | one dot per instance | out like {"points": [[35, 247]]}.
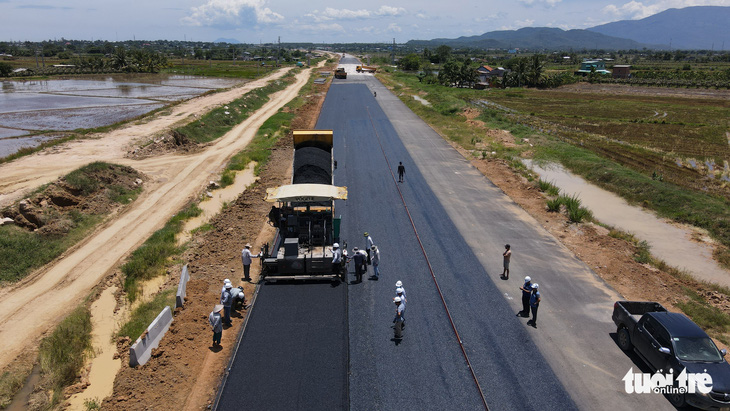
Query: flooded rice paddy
{"points": [[30, 107]]}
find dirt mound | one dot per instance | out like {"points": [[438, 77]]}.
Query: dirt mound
{"points": [[95, 189], [171, 142]]}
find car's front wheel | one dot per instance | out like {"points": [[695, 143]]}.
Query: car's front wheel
{"points": [[624, 339]]}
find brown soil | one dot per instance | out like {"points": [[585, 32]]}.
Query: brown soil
{"points": [[185, 370], [49, 210]]}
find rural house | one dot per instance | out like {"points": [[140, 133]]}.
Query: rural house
{"points": [[621, 71], [587, 66], [486, 73]]}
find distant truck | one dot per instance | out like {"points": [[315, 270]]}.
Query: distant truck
{"points": [[671, 341], [366, 69], [304, 214], [340, 73]]}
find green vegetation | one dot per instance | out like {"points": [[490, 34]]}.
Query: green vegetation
{"points": [[150, 258], [12, 380], [219, 121], [21, 251], [553, 204], [548, 187], [62, 354], [143, 315], [710, 318]]}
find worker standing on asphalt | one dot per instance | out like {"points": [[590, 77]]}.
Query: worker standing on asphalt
{"points": [[400, 310], [401, 171], [399, 284], [217, 323], [246, 258], [534, 304], [360, 265], [368, 244], [400, 294], [336, 258], [375, 258], [507, 254], [227, 301], [526, 293]]}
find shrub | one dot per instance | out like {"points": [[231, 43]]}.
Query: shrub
{"points": [[554, 204], [62, 353]]}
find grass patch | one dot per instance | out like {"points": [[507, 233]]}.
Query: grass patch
{"points": [[220, 120], [12, 380], [145, 313], [62, 354], [710, 318], [548, 187], [553, 205], [150, 259], [22, 251]]}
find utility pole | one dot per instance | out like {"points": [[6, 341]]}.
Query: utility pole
{"points": [[278, 51], [392, 59]]}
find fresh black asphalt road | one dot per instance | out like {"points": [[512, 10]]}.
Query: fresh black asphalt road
{"points": [[427, 370], [293, 355], [570, 361]]}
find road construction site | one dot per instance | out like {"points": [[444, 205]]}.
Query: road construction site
{"points": [[328, 345]]}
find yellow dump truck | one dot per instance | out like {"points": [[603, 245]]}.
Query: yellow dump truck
{"points": [[366, 69], [340, 73]]}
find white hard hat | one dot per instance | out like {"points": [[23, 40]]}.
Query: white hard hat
{"points": [[226, 281], [528, 278], [355, 249], [228, 285], [399, 290], [397, 299], [336, 245], [398, 283], [535, 286]]}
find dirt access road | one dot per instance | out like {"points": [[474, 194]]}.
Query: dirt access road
{"points": [[31, 307]]}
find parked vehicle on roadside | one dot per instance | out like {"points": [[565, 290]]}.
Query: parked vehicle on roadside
{"points": [[671, 341]]}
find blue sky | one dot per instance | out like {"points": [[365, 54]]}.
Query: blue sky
{"points": [[254, 21]]}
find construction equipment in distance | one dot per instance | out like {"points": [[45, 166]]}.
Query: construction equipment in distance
{"points": [[305, 214], [340, 73], [365, 69]]}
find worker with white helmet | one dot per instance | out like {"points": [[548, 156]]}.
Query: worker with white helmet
{"points": [[226, 281], [526, 293], [534, 304], [399, 284], [246, 259], [227, 301], [337, 260], [368, 245], [400, 309]]}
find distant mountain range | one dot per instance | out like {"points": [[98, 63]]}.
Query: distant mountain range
{"points": [[687, 28], [702, 27]]}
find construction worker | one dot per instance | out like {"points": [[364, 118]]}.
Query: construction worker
{"points": [[227, 301], [507, 254], [217, 323], [526, 293], [336, 259], [375, 258], [399, 284], [400, 310], [237, 295], [246, 257], [368, 244], [534, 304], [226, 281], [400, 294], [360, 265], [401, 171]]}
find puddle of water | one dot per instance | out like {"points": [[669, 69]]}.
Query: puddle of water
{"points": [[9, 132], [73, 118], [20, 401], [212, 206], [103, 367], [668, 241]]}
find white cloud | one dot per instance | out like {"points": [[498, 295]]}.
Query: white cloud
{"points": [[322, 27], [330, 13], [637, 10], [422, 16], [394, 28], [548, 3], [231, 12], [390, 11], [518, 25]]}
